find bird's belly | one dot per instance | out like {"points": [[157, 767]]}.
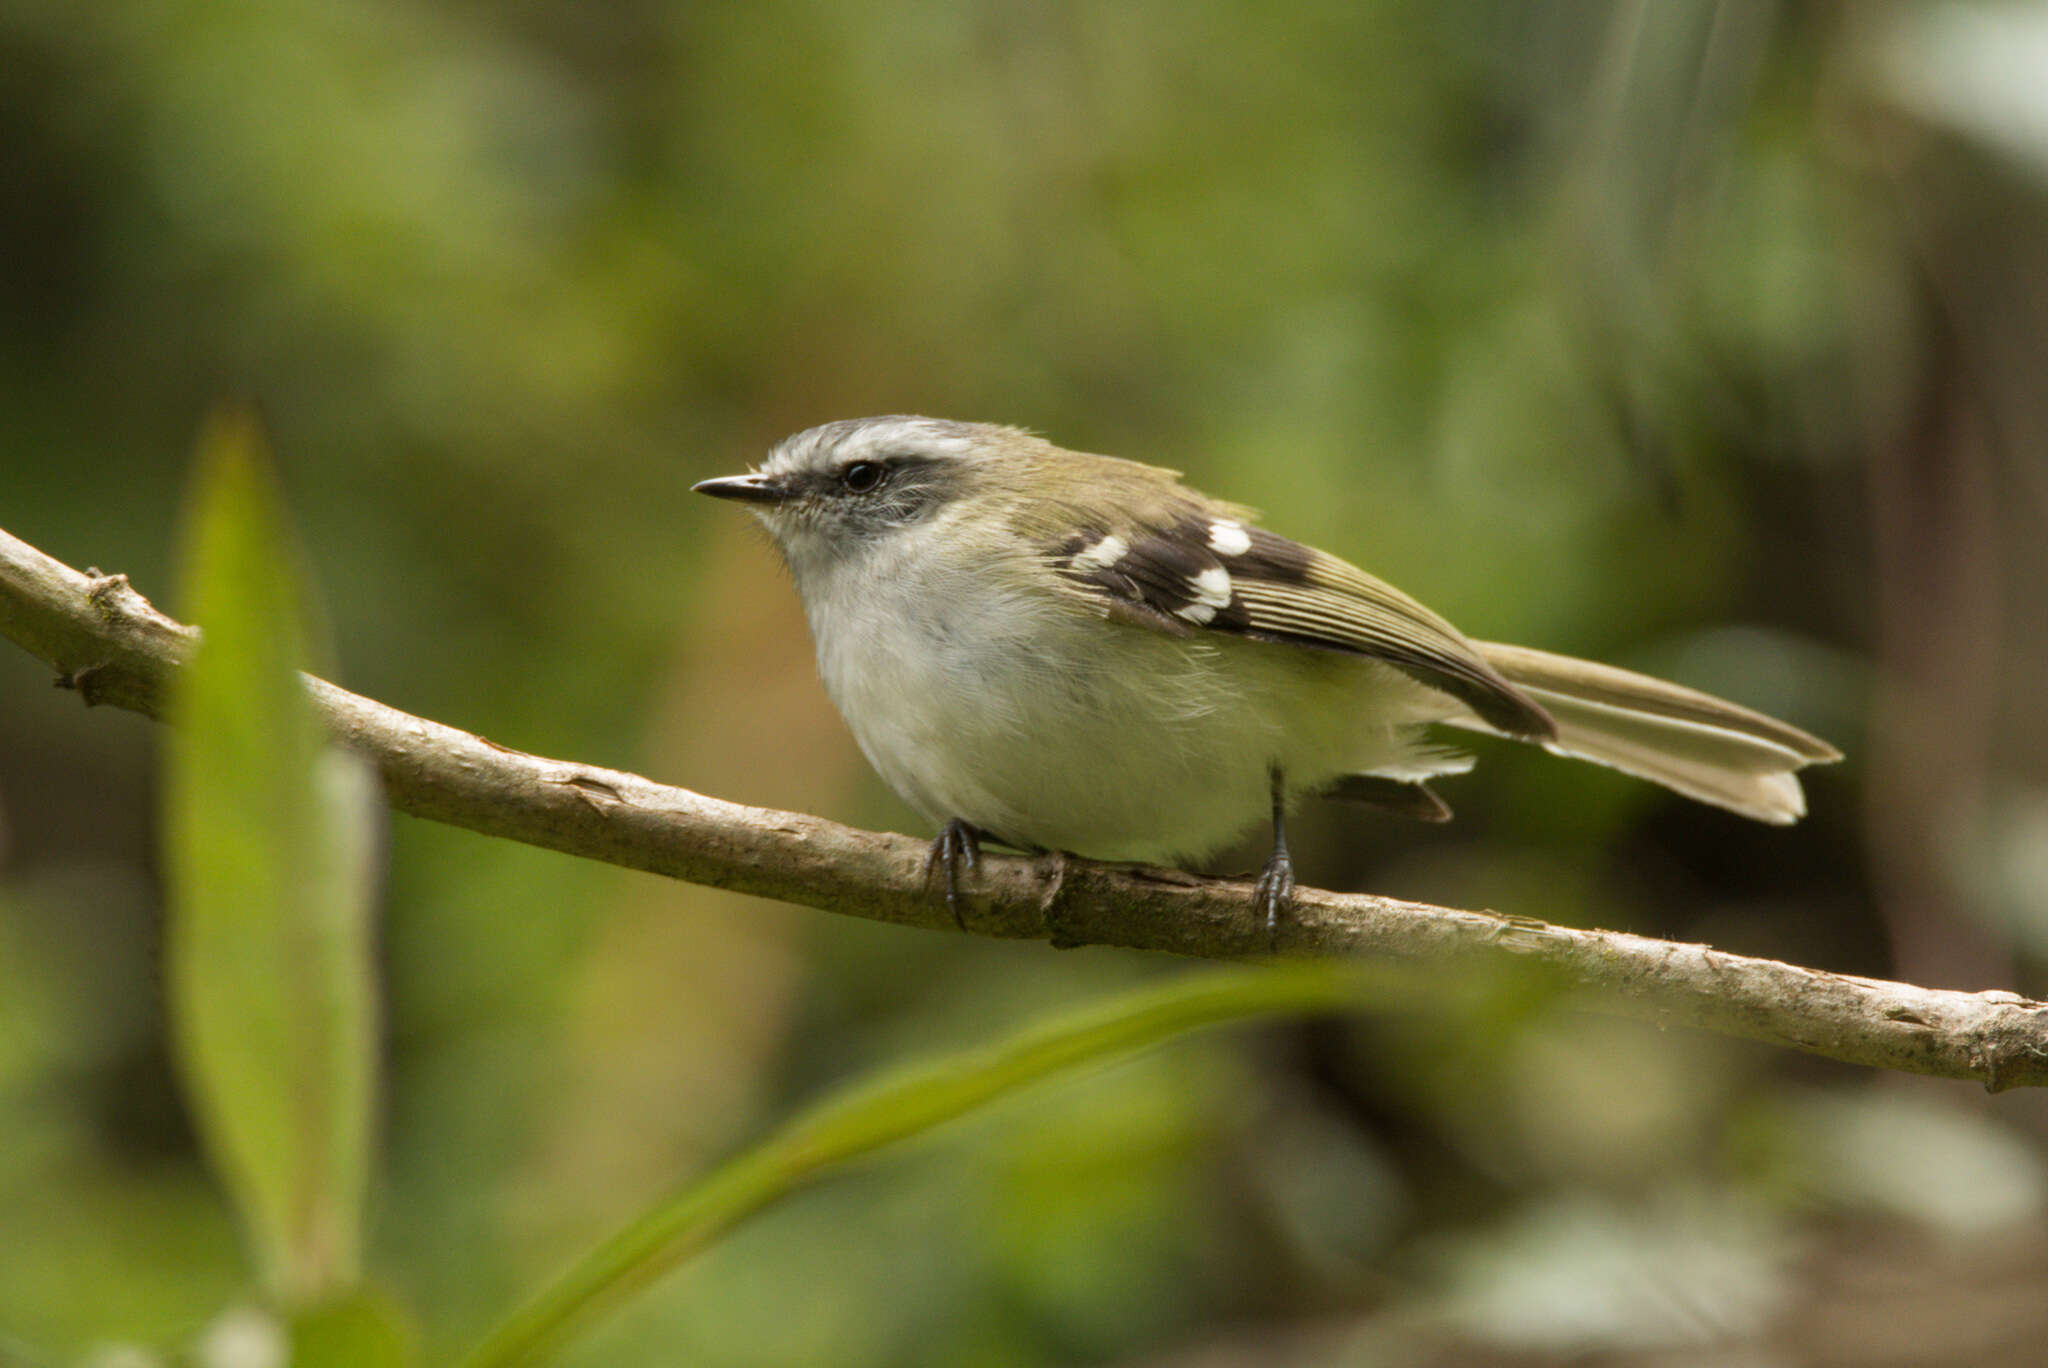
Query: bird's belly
{"points": [[1067, 763], [1158, 749]]}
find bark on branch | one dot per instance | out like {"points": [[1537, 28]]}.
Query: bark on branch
{"points": [[106, 641]]}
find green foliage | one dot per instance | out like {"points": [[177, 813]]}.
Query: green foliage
{"points": [[900, 1104], [268, 843], [364, 1329]]}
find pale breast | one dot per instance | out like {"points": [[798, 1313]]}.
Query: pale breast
{"points": [[1048, 727]]}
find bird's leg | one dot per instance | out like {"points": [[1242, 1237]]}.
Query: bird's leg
{"points": [[956, 843], [1273, 894]]}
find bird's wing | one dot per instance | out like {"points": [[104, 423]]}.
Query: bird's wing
{"points": [[1198, 571]]}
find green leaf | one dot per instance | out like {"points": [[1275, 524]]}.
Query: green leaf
{"points": [[364, 1330], [269, 841], [906, 1102]]}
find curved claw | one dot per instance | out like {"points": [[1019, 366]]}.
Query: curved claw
{"points": [[1273, 894], [956, 843]]}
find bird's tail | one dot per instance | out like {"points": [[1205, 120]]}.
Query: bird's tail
{"points": [[1690, 742]]}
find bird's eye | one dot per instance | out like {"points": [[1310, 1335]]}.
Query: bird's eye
{"points": [[862, 476]]}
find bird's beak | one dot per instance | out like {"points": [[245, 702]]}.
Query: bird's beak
{"points": [[760, 489]]}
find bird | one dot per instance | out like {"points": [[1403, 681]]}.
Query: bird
{"points": [[1053, 650]]}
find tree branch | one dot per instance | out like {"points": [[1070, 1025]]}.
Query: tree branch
{"points": [[106, 641]]}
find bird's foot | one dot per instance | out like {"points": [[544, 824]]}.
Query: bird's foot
{"points": [[956, 844], [1273, 895]]}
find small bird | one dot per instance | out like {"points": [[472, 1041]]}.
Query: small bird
{"points": [[1059, 651]]}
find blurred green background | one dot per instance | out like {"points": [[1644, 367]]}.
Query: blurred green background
{"points": [[1704, 338]]}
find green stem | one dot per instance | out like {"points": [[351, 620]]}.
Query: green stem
{"points": [[896, 1106]]}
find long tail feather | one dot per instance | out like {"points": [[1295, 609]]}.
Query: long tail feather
{"points": [[1690, 742]]}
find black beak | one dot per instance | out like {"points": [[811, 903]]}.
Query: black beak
{"points": [[745, 488]]}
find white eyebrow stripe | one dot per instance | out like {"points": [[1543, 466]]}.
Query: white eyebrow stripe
{"points": [[1227, 537], [915, 435]]}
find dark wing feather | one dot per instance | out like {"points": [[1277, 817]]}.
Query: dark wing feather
{"points": [[1198, 571]]}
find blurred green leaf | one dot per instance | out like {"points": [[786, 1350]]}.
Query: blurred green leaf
{"points": [[364, 1330], [269, 847], [904, 1102]]}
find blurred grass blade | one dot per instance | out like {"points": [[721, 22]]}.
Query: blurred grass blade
{"points": [[903, 1103], [269, 847]]}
